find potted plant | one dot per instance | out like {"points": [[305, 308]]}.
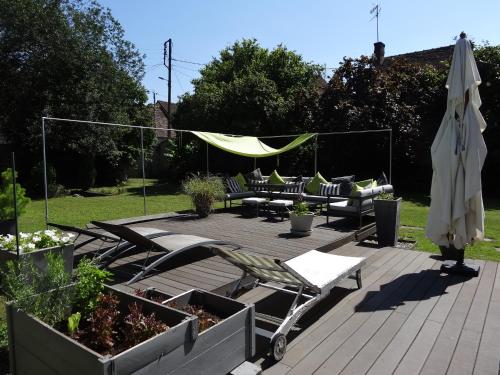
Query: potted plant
{"points": [[36, 245], [7, 219], [387, 213], [204, 192], [86, 327], [226, 330], [301, 219]]}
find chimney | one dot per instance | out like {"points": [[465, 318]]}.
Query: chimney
{"points": [[379, 53]]}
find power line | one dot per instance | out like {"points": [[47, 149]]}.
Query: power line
{"points": [[188, 62], [183, 67], [179, 81]]}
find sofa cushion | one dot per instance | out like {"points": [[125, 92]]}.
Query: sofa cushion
{"points": [[342, 206], [243, 194], [338, 180], [298, 187], [254, 175], [240, 179], [345, 188], [232, 185], [275, 178], [312, 186], [328, 189]]}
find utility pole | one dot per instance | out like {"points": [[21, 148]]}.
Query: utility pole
{"points": [[167, 61], [376, 9]]}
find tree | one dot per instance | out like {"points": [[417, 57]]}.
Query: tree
{"points": [[251, 90], [69, 58], [405, 97]]}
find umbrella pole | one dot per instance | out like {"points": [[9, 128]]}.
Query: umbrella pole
{"points": [[460, 267]]}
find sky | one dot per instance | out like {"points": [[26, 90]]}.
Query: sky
{"points": [[320, 31]]}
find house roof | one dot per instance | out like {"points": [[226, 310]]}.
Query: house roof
{"points": [[434, 56], [161, 118]]}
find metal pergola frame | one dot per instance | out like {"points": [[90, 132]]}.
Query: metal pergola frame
{"points": [[86, 122]]}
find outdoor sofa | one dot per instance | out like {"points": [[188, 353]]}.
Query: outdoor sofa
{"points": [[340, 204]]}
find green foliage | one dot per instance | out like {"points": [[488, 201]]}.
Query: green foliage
{"points": [[69, 59], [23, 283], [89, 285], [386, 196], [73, 322], [204, 192], [301, 209], [7, 197]]}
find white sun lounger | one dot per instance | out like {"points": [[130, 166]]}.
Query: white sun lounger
{"points": [[310, 277]]}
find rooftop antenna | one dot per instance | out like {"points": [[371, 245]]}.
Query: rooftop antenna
{"points": [[376, 13]]}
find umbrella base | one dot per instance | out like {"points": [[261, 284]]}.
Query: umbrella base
{"points": [[460, 268]]}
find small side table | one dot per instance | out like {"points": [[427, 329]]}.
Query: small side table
{"points": [[280, 206], [254, 202]]}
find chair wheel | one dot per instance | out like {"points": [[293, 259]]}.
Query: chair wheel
{"points": [[278, 347]]}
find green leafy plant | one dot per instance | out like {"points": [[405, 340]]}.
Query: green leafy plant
{"points": [[386, 196], [7, 197], [23, 283], [37, 240], [74, 322], [301, 209], [204, 192], [89, 285]]}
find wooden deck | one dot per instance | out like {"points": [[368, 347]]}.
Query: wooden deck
{"points": [[407, 319]]}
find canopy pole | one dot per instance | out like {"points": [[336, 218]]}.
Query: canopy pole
{"points": [[14, 193], [45, 174], [390, 157], [207, 157], [143, 173], [315, 154], [277, 161], [254, 163]]}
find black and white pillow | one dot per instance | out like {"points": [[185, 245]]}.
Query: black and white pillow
{"points": [[232, 185], [258, 182], [298, 187], [328, 189]]}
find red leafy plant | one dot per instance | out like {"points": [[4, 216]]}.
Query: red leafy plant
{"points": [[139, 327], [105, 332], [205, 318]]}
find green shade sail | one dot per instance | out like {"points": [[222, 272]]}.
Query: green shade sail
{"points": [[248, 146]]}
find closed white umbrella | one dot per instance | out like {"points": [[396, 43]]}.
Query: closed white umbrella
{"points": [[456, 215]]}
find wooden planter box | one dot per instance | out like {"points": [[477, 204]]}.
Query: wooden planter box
{"points": [[222, 347], [37, 348], [38, 256]]}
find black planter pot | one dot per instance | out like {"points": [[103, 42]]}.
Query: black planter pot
{"points": [[7, 226], [387, 213]]}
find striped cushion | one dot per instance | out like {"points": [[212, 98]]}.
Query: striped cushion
{"points": [[232, 185], [298, 188], [265, 269], [328, 189], [258, 188]]}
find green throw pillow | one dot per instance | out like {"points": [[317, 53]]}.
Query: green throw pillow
{"points": [[312, 186], [240, 179], [365, 183], [360, 186], [275, 178]]}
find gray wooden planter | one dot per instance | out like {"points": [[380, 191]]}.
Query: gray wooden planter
{"points": [[38, 256], [387, 213], [37, 348], [220, 348], [301, 224]]}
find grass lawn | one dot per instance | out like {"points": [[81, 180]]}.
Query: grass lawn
{"points": [[127, 201]]}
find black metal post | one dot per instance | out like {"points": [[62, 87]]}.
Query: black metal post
{"points": [[14, 192]]}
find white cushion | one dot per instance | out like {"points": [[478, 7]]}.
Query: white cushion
{"points": [[323, 270], [342, 206], [281, 203], [253, 200]]}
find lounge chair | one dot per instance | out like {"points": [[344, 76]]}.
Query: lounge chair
{"points": [[106, 236], [171, 244], [310, 277]]}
